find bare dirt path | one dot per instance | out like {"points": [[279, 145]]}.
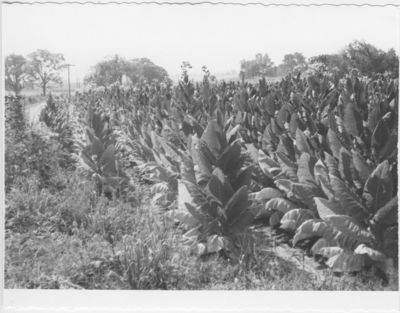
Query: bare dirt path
{"points": [[34, 111]]}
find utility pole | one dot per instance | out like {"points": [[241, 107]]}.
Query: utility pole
{"points": [[69, 84], [78, 83], [69, 93]]}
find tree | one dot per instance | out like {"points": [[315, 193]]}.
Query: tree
{"points": [[107, 72], [290, 61], [260, 66], [265, 64], [15, 74], [369, 60], [143, 69], [113, 69], [391, 62], [44, 68], [251, 68], [362, 56], [332, 61]]}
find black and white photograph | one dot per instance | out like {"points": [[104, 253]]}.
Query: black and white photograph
{"points": [[201, 146]]}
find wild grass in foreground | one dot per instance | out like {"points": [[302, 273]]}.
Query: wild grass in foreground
{"points": [[74, 239]]}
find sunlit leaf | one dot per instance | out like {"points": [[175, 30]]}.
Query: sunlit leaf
{"points": [[326, 207], [294, 218], [346, 261], [373, 254], [267, 194], [349, 226], [321, 243]]}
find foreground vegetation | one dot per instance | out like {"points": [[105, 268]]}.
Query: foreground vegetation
{"points": [[207, 186]]}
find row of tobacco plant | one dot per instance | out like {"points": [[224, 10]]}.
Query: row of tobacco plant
{"points": [[315, 155]]}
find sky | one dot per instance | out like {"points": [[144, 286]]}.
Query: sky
{"points": [[218, 37]]}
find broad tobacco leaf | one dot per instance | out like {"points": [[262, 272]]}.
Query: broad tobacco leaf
{"points": [[305, 171], [321, 243], [269, 105], [321, 169], [244, 220], [237, 204], [346, 167], [349, 226], [346, 261], [348, 199], [87, 163], [199, 198], [296, 123], [187, 169], [334, 143], [182, 216], [97, 148], [342, 134], [220, 187], [388, 215], [279, 204], [389, 151], [301, 142], [373, 118], [363, 168], [378, 189], [294, 218], [197, 213], [373, 254], [326, 187], [107, 158], [267, 164], [319, 228], [306, 194], [390, 242], [330, 251], [204, 166], [380, 137], [310, 228], [287, 166], [229, 157], [287, 143], [352, 120], [326, 207], [243, 179], [210, 137], [286, 186], [332, 164], [183, 195], [267, 194], [216, 243], [275, 219], [283, 114]]}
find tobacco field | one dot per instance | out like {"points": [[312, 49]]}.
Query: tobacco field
{"points": [[286, 185]]}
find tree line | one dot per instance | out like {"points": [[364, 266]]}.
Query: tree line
{"points": [[42, 68], [366, 58], [118, 69]]}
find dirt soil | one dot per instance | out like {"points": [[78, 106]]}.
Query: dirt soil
{"points": [[34, 111]]}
